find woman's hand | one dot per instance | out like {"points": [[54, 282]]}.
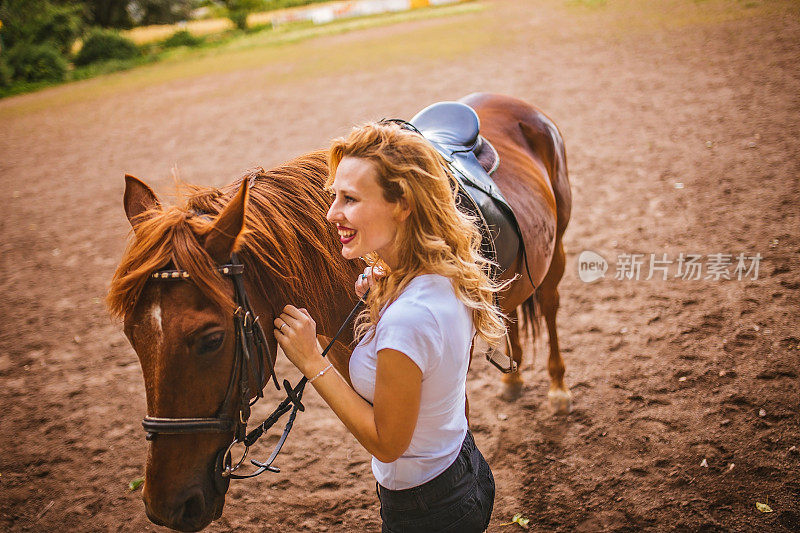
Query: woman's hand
{"points": [[296, 333], [368, 279]]}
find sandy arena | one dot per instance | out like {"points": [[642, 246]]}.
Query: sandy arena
{"points": [[681, 126]]}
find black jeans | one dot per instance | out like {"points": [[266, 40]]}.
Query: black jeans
{"points": [[460, 499]]}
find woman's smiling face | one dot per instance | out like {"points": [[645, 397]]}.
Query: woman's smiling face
{"points": [[365, 220]]}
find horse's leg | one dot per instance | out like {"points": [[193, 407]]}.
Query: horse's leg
{"points": [[559, 395], [512, 382]]}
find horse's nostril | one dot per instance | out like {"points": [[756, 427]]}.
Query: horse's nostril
{"points": [[193, 508]]}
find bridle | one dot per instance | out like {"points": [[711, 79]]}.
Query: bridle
{"points": [[251, 342]]}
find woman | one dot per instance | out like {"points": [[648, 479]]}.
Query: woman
{"points": [[429, 294]]}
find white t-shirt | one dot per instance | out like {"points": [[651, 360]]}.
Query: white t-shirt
{"points": [[431, 326]]}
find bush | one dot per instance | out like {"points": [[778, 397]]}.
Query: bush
{"points": [[60, 25], [102, 45], [239, 9], [36, 62], [239, 18], [147, 12], [40, 22], [6, 74], [182, 38]]}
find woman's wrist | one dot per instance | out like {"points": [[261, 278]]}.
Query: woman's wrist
{"points": [[320, 373], [313, 367]]}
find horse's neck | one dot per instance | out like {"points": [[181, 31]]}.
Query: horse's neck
{"points": [[333, 313], [340, 352], [339, 307], [333, 309]]}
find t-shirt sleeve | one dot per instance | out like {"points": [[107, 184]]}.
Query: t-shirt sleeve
{"points": [[413, 331]]}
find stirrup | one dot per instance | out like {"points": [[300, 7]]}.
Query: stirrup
{"points": [[502, 361]]}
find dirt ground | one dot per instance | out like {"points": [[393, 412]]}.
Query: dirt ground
{"points": [[681, 125]]}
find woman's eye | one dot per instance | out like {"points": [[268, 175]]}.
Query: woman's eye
{"points": [[210, 343], [349, 199]]}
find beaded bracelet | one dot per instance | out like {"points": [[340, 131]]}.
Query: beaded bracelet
{"points": [[311, 380]]}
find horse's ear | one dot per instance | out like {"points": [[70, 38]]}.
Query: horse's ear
{"points": [[221, 239], [138, 198]]}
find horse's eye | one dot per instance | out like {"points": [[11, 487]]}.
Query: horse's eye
{"points": [[210, 343]]}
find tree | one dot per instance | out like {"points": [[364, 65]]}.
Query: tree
{"points": [[164, 11], [239, 9], [127, 13], [37, 36], [41, 22], [108, 13]]}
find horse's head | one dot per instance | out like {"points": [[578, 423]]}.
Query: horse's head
{"points": [[184, 335], [183, 327]]}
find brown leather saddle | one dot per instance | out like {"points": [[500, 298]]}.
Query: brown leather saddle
{"points": [[453, 129]]}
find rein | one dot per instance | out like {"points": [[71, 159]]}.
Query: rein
{"points": [[250, 341]]}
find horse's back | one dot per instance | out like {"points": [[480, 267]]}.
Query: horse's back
{"points": [[532, 173]]}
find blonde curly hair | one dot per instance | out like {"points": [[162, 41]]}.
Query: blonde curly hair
{"points": [[436, 238]]}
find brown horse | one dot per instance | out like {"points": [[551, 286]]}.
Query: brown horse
{"points": [[183, 331]]}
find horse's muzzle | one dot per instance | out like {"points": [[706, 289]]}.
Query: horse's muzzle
{"points": [[192, 510]]}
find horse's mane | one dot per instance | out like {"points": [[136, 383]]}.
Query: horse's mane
{"points": [[288, 248]]}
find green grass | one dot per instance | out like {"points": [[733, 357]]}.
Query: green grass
{"points": [[80, 73]]}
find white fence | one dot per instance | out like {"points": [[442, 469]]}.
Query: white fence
{"points": [[353, 8]]}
